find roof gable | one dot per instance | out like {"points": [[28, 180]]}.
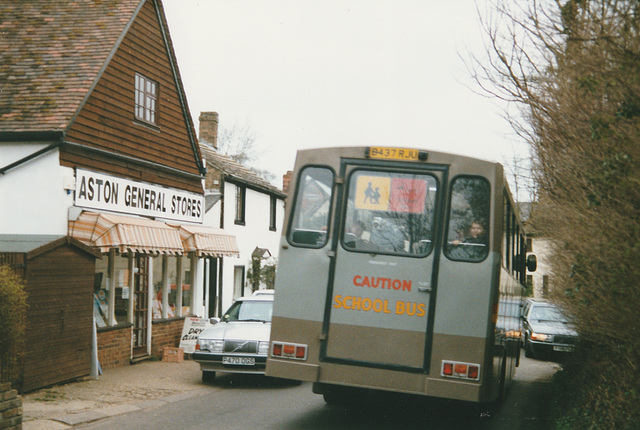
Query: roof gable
{"points": [[68, 71], [52, 55]]}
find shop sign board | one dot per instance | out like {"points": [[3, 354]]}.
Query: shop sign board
{"points": [[190, 331], [105, 192]]}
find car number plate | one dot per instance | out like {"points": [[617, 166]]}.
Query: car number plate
{"points": [[562, 348], [241, 361]]}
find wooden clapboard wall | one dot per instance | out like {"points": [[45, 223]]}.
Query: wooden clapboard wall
{"points": [[107, 119]]}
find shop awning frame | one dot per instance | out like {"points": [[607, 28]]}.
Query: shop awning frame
{"points": [[207, 241], [127, 234]]}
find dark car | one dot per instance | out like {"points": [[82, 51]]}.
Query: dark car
{"points": [[546, 329], [238, 343]]}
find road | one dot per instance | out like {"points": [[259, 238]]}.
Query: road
{"points": [[254, 402]]}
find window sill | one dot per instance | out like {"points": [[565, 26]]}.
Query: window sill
{"points": [[145, 124]]}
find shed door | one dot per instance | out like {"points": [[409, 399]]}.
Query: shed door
{"points": [[59, 284]]}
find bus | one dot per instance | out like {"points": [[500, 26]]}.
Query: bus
{"points": [[399, 270]]}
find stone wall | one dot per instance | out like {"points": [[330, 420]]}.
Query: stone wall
{"points": [[10, 408]]}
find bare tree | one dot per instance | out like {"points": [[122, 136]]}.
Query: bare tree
{"points": [[239, 142], [573, 69]]}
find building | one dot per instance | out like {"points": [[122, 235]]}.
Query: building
{"points": [[101, 182], [541, 247], [245, 206]]}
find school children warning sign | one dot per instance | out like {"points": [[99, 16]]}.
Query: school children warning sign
{"points": [[390, 194]]}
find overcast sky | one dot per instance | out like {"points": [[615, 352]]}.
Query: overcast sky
{"points": [[307, 74]]}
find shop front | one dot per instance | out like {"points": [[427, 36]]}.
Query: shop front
{"points": [[151, 274]]}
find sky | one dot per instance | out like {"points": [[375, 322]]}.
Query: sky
{"points": [[305, 74]]}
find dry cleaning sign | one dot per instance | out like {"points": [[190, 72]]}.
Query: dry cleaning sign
{"points": [[106, 192]]}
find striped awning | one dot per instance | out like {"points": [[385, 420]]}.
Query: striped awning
{"points": [[208, 241], [127, 234]]}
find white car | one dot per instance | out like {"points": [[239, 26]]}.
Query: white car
{"points": [[239, 342]]}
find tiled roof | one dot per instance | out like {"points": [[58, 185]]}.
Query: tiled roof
{"points": [[51, 53], [236, 171]]}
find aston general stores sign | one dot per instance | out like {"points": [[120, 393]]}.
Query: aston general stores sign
{"points": [[105, 192]]}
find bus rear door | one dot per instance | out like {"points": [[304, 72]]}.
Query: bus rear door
{"points": [[384, 276]]}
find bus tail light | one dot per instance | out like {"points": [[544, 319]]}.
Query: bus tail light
{"points": [[456, 369], [295, 351]]}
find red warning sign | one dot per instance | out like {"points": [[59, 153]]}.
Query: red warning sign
{"points": [[407, 195]]}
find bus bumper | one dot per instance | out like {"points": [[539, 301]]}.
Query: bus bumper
{"points": [[297, 371]]}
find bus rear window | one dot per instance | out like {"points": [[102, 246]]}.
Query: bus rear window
{"points": [[468, 231], [390, 212], [310, 219]]}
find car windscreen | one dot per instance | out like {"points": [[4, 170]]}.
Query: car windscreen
{"points": [[547, 313], [249, 311]]}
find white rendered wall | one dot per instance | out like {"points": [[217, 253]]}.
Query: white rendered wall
{"points": [[32, 195], [255, 233], [542, 250]]}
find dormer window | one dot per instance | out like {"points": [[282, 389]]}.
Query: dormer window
{"points": [[146, 96]]}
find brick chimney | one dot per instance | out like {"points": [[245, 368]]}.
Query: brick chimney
{"points": [[209, 128], [286, 180]]}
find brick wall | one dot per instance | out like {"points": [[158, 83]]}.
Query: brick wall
{"points": [[114, 343], [166, 333], [10, 408], [114, 347]]}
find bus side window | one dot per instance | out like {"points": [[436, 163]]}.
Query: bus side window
{"points": [[310, 218], [468, 228]]}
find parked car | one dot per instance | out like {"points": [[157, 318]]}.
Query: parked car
{"points": [[546, 328], [239, 342]]}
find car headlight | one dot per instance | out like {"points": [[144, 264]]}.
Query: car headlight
{"points": [[540, 337], [211, 345], [263, 347]]}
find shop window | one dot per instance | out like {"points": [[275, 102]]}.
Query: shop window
{"points": [[187, 291], [146, 95], [111, 297], [172, 286]]}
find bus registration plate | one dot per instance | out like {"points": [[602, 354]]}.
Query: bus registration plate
{"points": [[389, 153], [242, 361]]}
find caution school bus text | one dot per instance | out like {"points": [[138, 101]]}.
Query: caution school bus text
{"points": [[383, 306]]}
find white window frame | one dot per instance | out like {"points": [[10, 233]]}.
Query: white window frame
{"points": [[146, 96]]}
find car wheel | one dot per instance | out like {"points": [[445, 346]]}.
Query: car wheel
{"points": [[528, 348], [208, 376]]}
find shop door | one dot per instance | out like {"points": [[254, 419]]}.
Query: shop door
{"points": [[141, 307]]}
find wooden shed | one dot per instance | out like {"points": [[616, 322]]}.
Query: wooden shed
{"points": [[59, 274]]}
